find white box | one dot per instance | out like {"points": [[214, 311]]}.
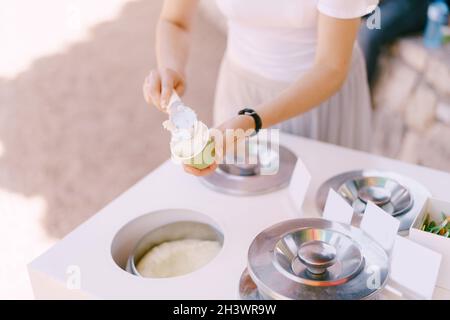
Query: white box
{"points": [[435, 242]]}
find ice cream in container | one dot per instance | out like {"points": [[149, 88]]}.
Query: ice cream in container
{"points": [[191, 141]]}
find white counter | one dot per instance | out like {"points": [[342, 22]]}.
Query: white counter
{"points": [[239, 218]]}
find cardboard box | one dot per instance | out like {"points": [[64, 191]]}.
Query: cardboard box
{"points": [[438, 243]]}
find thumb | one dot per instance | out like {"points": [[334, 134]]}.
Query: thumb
{"points": [[166, 90]]}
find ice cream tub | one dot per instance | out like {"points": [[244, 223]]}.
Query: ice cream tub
{"points": [[198, 152]]}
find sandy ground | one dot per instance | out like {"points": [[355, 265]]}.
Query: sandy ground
{"points": [[74, 129]]}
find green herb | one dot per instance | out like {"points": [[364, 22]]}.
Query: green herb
{"points": [[442, 228]]}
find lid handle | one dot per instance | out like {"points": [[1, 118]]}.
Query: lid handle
{"points": [[378, 195], [317, 256]]}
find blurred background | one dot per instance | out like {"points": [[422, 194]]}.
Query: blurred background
{"points": [[75, 131]]}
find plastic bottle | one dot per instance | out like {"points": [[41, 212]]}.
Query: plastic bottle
{"points": [[437, 18]]}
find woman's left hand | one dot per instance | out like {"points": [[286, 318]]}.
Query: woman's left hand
{"points": [[242, 122], [200, 173]]}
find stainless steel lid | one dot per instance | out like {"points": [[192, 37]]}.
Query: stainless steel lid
{"points": [[253, 179], [387, 193], [393, 193], [316, 259]]}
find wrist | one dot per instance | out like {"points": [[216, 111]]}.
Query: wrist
{"points": [[232, 131], [243, 122]]}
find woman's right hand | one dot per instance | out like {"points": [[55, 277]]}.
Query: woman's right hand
{"points": [[159, 86]]}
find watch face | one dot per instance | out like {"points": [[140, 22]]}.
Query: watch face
{"points": [[246, 111]]}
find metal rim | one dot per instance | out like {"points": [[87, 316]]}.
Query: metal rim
{"points": [[418, 192], [275, 285], [248, 290], [235, 185], [387, 193], [203, 231]]}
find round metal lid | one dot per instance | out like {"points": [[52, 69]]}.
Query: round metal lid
{"points": [[271, 173], [385, 192], [316, 259], [397, 195], [324, 257]]}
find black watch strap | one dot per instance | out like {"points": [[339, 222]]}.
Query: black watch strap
{"points": [[255, 116]]}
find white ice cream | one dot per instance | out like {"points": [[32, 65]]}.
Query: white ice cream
{"points": [[175, 258], [189, 136]]}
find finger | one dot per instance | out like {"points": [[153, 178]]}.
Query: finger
{"points": [[210, 169], [191, 170], [167, 84], [154, 89], [180, 87], [198, 172]]}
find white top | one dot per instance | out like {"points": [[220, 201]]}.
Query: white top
{"points": [[277, 39]]}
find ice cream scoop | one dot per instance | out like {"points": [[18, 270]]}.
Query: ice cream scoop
{"points": [[181, 117]]}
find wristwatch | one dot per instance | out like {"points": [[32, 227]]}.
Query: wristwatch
{"points": [[252, 113]]}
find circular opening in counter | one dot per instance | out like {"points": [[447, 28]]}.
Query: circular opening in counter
{"points": [[167, 243]]}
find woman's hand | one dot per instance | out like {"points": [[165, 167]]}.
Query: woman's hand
{"points": [[226, 138], [159, 86], [200, 173]]}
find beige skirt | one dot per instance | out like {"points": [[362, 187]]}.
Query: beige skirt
{"points": [[344, 119]]}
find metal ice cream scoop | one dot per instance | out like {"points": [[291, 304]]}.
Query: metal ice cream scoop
{"points": [[180, 115]]}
